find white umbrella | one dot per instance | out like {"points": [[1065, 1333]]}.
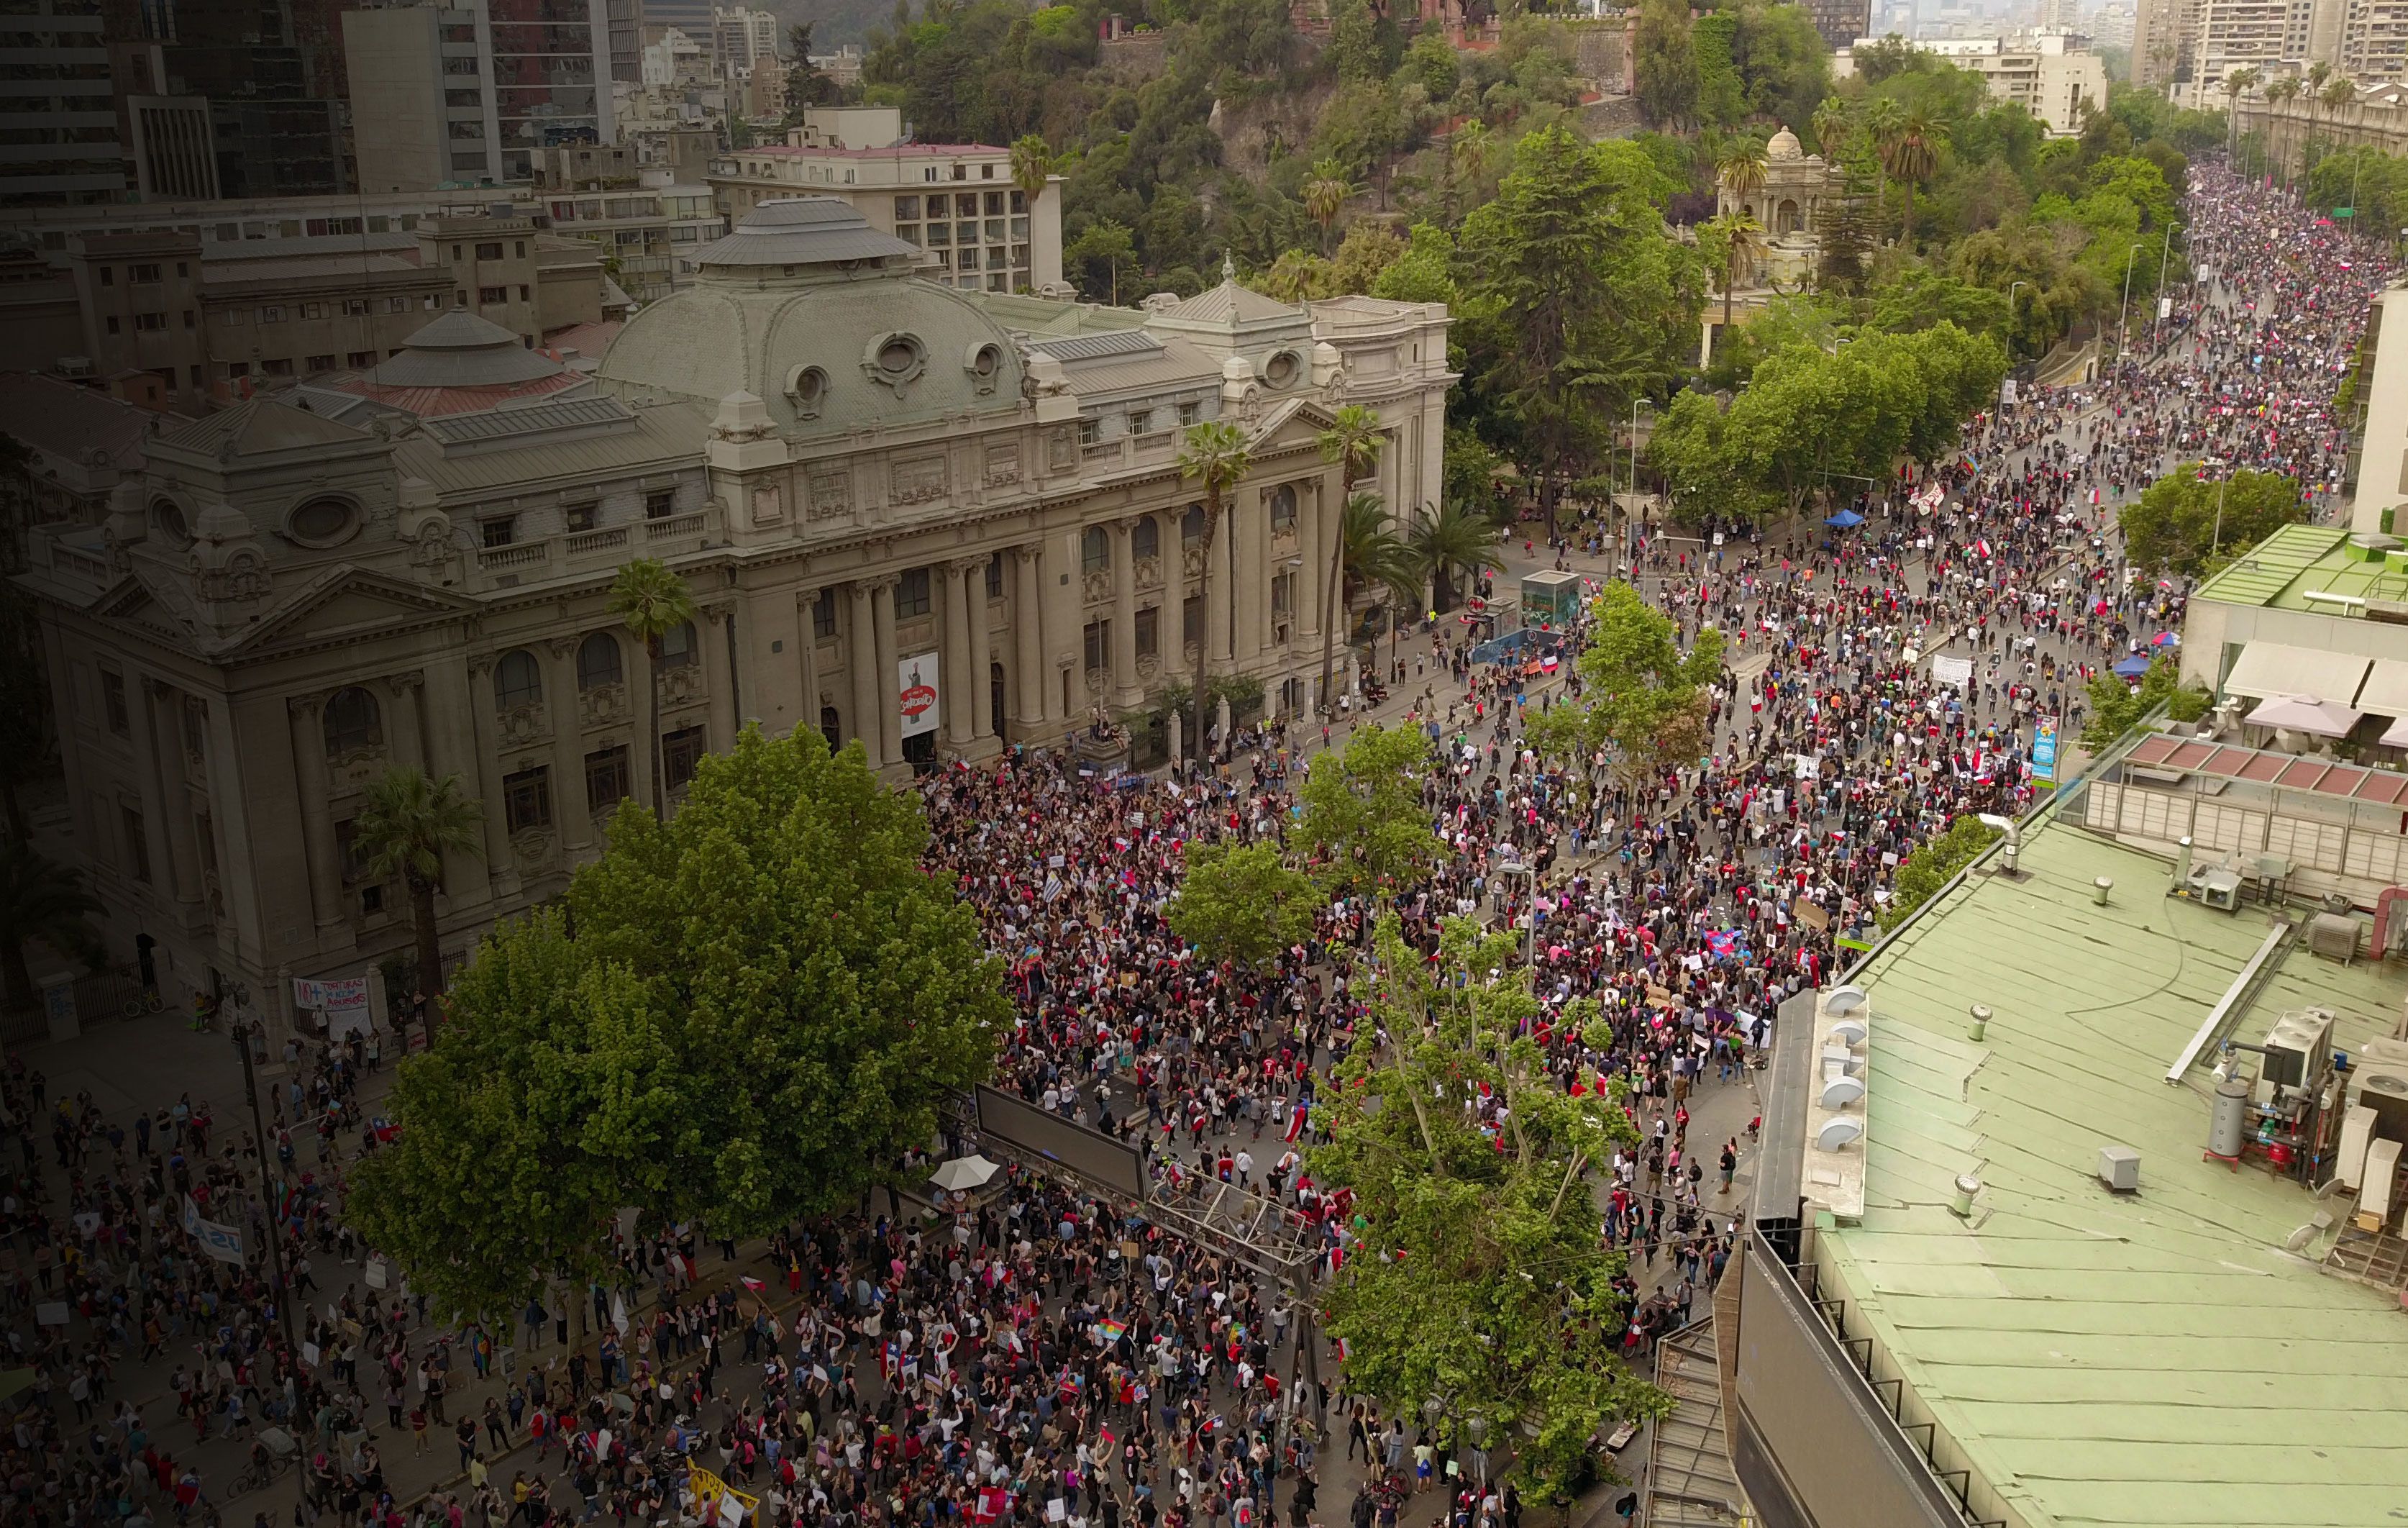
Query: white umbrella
{"points": [[2396, 736], [964, 1173], [2298, 713]]}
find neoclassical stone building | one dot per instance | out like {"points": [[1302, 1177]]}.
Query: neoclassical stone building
{"points": [[936, 521]]}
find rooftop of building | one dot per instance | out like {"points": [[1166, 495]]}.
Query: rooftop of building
{"points": [[71, 423], [2156, 1357], [2323, 569], [895, 150]]}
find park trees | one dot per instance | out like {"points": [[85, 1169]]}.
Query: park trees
{"points": [[2185, 520], [1243, 903], [1642, 698], [742, 1017], [1363, 813], [1477, 1277]]}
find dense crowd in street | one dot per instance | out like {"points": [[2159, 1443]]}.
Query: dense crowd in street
{"points": [[1041, 1356]]}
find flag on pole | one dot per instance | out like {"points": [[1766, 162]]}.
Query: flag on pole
{"points": [[750, 1283]]}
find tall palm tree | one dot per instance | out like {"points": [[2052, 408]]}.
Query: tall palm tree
{"points": [[2235, 84], [2281, 92], [1831, 124], [1883, 120], [1742, 241], [1032, 163], [1215, 456], [43, 901], [1742, 172], [1913, 154], [651, 602], [1324, 195], [407, 823], [1468, 149], [1452, 539], [1353, 440], [1373, 553]]}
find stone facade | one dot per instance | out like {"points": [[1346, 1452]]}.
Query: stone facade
{"points": [[866, 480]]}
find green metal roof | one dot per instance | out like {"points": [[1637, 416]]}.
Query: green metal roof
{"points": [[2280, 571], [2155, 1359]]}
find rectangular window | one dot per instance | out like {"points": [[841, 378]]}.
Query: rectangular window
{"points": [[490, 250], [1190, 413], [360, 360], [660, 504], [911, 594], [355, 307], [607, 779], [150, 322], [138, 845], [501, 530], [1099, 644], [112, 324], [313, 309], [823, 615], [108, 276], [908, 232], [995, 230], [940, 235], [526, 799], [581, 516], [278, 368], [1283, 586], [907, 208], [680, 756], [965, 233], [1149, 623], [1090, 430], [144, 274], [1283, 508], [322, 363], [995, 576], [966, 260], [493, 294], [995, 204], [1140, 422], [112, 703], [1191, 620], [1019, 201], [188, 320]]}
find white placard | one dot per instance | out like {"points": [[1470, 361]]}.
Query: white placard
{"points": [[1953, 670], [916, 686]]}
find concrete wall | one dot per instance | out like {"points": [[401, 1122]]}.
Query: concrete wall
{"points": [[396, 80]]}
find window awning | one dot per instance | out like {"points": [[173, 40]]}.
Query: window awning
{"points": [[2266, 670], [2385, 690], [2319, 718]]}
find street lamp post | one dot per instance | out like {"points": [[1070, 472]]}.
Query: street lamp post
{"points": [[2124, 315], [1475, 1429], [242, 1034], [2164, 254], [1636, 404], [2215, 540]]}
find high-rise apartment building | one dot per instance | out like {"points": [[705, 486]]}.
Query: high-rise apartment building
{"points": [[2373, 41], [61, 143], [468, 95], [1841, 22], [748, 39]]}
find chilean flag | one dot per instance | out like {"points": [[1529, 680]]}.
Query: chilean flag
{"points": [[1295, 1122]]}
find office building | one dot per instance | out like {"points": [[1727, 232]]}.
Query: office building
{"points": [[2374, 41], [861, 474], [1841, 22], [65, 144], [468, 96], [258, 92], [955, 201], [2049, 73], [748, 42]]}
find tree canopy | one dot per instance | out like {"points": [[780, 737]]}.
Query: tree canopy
{"points": [[742, 1015], [2191, 523]]}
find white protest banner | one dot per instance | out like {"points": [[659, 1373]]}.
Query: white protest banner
{"points": [[1955, 672]]}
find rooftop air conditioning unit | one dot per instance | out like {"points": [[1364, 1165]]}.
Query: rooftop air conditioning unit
{"points": [[2385, 1092], [75, 366], [2299, 1053]]}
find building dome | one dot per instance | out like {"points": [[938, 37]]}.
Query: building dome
{"points": [[461, 350], [819, 315], [1785, 145]]}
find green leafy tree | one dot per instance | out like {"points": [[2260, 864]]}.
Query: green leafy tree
{"points": [[1354, 441], [1102, 254], [651, 602], [2116, 707], [806, 85], [1911, 154], [2184, 521], [1642, 698], [1363, 812], [1242, 902], [1213, 456], [1326, 196], [41, 902], [1666, 64], [1477, 1274], [1930, 865], [408, 823]]}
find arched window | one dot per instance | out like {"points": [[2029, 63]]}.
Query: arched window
{"points": [[597, 661], [1095, 551], [352, 720], [1191, 525], [677, 648], [517, 680], [1146, 540]]}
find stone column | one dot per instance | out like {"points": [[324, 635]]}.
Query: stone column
{"points": [[981, 656], [405, 738], [806, 657], [150, 780], [1124, 690], [320, 862], [882, 667], [961, 690], [165, 705], [1305, 589], [565, 712], [480, 765], [1250, 579], [718, 672], [1028, 636], [862, 657]]}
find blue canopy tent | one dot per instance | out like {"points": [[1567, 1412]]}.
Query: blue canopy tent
{"points": [[1845, 520], [2132, 667]]}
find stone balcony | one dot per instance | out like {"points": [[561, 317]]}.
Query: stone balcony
{"points": [[578, 553]]}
